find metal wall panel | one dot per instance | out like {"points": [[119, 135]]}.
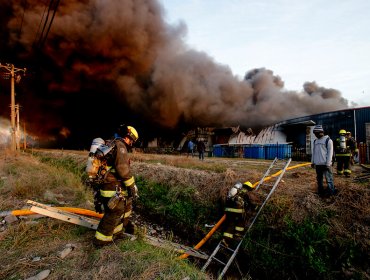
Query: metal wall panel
{"points": [[353, 120]]}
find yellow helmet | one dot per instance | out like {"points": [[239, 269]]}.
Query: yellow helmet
{"points": [[132, 133], [248, 185], [342, 131]]}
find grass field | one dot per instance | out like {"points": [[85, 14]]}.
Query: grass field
{"points": [[297, 236]]}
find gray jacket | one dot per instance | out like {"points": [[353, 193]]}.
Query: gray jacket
{"points": [[322, 151]]}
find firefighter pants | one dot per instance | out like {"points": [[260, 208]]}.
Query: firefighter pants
{"points": [[114, 221], [234, 228], [343, 165]]}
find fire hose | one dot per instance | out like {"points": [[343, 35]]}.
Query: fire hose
{"points": [[25, 212]]}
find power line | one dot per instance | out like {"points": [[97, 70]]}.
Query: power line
{"points": [[38, 29], [51, 21], [24, 10], [53, 6]]}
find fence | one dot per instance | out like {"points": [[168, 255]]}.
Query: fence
{"points": [[364, 153]]}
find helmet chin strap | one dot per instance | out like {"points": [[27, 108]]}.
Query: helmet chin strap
{"points": [[127, 140]]}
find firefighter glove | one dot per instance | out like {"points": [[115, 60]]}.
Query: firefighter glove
{"points": [[97, 202], [98, 206], [133, 192]]}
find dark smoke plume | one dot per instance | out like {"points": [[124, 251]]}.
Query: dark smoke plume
{"points": [[113, 61]]}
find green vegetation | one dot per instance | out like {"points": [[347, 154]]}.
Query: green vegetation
{"points": [[175, 206], [68, 163], [305, 249]]}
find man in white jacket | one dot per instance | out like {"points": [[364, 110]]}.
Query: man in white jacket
{"points": [[322, 154]]}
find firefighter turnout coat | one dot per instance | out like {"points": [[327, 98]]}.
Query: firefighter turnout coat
{"points": [[343, 154], [118, 182], [237, 211]]}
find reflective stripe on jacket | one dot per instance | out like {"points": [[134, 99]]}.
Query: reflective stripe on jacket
{"points": [[234, 210]]}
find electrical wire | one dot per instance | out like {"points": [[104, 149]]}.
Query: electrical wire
{"points": [[24, 10], [38, 29], [51, 22], [53, 7]]}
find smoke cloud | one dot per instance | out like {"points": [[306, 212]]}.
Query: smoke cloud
{"points": [[108, 62]]}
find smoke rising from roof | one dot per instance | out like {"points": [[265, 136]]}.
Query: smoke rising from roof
{"points": [[120, 61]]}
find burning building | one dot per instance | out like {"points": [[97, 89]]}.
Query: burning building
{"points": [[296, 133]]}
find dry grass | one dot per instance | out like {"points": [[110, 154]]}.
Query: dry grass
{"points": [[347, 214], [209, 185], [24, 176]]}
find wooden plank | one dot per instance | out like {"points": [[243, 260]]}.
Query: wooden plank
{"points": [[65, 217], [93, 224]]}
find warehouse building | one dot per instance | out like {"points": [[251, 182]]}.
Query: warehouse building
{"points": [[293, 138]]}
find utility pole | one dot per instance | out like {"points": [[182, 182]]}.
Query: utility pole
{"points": [[24, 136], [10, 68], [17, 132]]}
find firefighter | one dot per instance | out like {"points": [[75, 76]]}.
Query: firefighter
{"points": [[343, 147], [353, 146], [238, 201], [117, 190]]}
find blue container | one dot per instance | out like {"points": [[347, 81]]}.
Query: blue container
{"points": [[248, 152], [258, 151], [217, 150], [281, 151], [254, 151]]}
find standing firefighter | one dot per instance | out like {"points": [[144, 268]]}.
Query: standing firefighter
{"points": [[353, 146], [116, 187], [343, 153], [239, 200]]}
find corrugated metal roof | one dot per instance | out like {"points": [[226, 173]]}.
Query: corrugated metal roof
{"points": [[353, 120]]}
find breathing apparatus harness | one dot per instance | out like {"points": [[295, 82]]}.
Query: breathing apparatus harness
{"points": [[98, 167]]}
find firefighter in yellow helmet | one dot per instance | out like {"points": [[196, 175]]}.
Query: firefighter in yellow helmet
{"points": [[118, 188], [353, 146], [343, 147], [238, 201]]}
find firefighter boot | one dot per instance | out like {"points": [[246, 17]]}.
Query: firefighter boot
{"points": [[130, 228], [99, 243]]}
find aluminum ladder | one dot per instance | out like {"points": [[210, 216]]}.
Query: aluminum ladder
{"points": [[265, 190]]}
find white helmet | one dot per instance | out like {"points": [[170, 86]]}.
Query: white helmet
{"points": [[234, 190]]}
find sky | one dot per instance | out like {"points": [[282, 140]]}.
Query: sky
{"points": [[325, 41]]}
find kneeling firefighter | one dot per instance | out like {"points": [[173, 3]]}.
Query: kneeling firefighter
{"points": [[116, 188], [238, 201]]}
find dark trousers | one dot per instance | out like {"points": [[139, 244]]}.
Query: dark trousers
{"points": [[201, 155], [343, 165]]}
